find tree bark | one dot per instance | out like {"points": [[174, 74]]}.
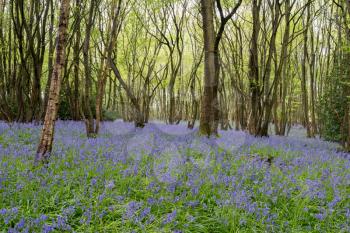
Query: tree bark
{"points": [[206, 117], [47, 135], [215, 102], [50, 59], [88, 98], [305, 101], [138, 116], [76, 96], [254, 70]]}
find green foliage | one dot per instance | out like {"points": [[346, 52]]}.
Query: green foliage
{"points": [[334, 104], [265, 152], [64, 110], [110, 115]]}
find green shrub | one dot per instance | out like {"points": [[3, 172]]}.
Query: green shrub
{"points": [[333, 104], [110, 115]]}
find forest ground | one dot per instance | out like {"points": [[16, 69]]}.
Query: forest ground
{"points": [[166, 178]]}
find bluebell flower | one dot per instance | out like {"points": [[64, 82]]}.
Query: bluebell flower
{"points": [[20, 225], [47, 229], [110, 185], [101, 197], [3, 211], [93, 181], [347, 214], [320, 216], [192, 204], [170, 217], [14, 210], [151, 201], [242, 221], [131, 209], [144, 213], [190, 218]]}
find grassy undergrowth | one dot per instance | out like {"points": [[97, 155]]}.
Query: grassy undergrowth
{"points": [[170, 184]]}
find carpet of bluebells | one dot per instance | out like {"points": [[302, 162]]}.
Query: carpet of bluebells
{"points": [[168, 179]]}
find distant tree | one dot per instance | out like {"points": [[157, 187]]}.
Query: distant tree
{"points": [[138, 115], [88, 99], [142, 60], [305, 99], [223, 20], [335, 100]]}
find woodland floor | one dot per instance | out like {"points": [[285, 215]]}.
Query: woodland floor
{"points": [[167, 179]]}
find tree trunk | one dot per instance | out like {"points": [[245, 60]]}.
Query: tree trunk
{"points": [[50, 60], [88, 98], [348, 79], [99, 96], [102, 78], [137, 113], [76, 102], [171, 101], [206, 118], [45, 144], [313, 128], [254, 71], [305, 100]]}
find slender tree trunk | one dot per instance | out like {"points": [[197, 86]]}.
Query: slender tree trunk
{"points": [[282, 72], [137, 113], [76, 98], [110, 94], [313, 127], [99, 96], [164, 104], [88, 98], [254, 71], [305, 100], [50, 61], [102, 78], [215, 101], [206, 117], [348, 78], [192, 120], [171, 101], [45, 144]]}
